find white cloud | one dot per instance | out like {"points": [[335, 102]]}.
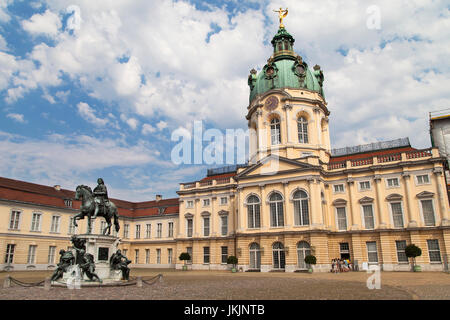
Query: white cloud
{"points": [[147, 129], [88, 114], [47, 23], [131, 122], [16, 117], [161, 125]]}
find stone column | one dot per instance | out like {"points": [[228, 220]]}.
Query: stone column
{"points": [[288, 211], [351, 216], [213, 218], [239, 216], [440, 197], [287, 108], [261, 145], [381, 218], [264, 216], [409, 208]]}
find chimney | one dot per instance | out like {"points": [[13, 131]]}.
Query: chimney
{"points": [[57, 187], [158, 197]]}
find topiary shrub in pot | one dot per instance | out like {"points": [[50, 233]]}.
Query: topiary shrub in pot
{"points": [[234, 261], [185, 256], [413, 251], [310, 260]]}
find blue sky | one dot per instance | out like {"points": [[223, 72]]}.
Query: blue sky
{"points": [[94, 89]]}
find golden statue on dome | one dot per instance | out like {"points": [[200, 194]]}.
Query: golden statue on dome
{"points": [[282, 14]]}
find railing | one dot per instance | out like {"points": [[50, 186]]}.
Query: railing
{"points": [[337, 165], [403, 142], [390, 157], [362, 162], [418, 154], [206, 183], [189, 185], [223, 181]]}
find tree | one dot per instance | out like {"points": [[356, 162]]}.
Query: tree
{"points": [[185, 256], [413, 251], [234, 261], [311, 260]]}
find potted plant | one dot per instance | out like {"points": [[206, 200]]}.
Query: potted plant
{"points": [[234, 261], [310, 260], [413, 251], [185, 256]]}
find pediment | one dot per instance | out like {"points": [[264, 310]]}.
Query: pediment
{"points": [[394, 197], [425, 195], [339, 202], [365, 200], [222, 213], [272, 164]]}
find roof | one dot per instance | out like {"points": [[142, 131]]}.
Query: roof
{"points": [[369, 154], [21, 191]]}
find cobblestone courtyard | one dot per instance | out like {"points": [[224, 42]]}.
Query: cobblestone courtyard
{"points": [[221, 285]]}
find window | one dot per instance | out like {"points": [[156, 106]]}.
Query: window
{"points": [[338, 188], [206, 255], [279, 260], [170, 232], [55, 224], [136, 256], [14, 220], [372, 253], [102, 226], [148, 231], [125, 251], [68, 203], [434, 251], [9, 257], [368, 216], [423, 179], [301, 208], [169, 256], [72, 228], [189, 250], [276, 210], [253, 212], [224, 253], [275, 135], [224, 227], [401, 255], [189, 225], [206, 202], [206, 226], [428, 212], [302, 126], [126, 230], [364, 185], [51, 255], [341, 218], [158, 256], [397, 214], [138, 231], [159, 230], [303, 250], [344, 250], [36, 222], [223, 201], [189, 204], [255, 256], [147, 256], [31, 254], [392, 182]]}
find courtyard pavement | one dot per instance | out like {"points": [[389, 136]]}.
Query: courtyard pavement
{"points": [[224, 285]]}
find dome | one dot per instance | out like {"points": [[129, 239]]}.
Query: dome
{"points": [[285, 69]]}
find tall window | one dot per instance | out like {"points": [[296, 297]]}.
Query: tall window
{"points": [[51, 254], [36, 222], [428, 212], [159, 230], [224, 227], [136, 256], [344, 249], [126, 230], [9, 257], [397, 214], [55, 224], [301, 209], [434, 251], [147, 256], [303, 250], [148, 231], [302, 125], [401, 255], [206, 255], [206, 226], [138, 231], [158, 256], [170, 232], [224, 254], [368, 216], [372, 253], [276, 210], [275, 134], [14, 220], [255, 256], [31, 254], [72, 228], [341, 218], [253, 211], [189, 250], [279, 260], [169, 256], [189, 226]]}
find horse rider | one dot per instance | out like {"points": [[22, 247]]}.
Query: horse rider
{"points": [[100, 197]]}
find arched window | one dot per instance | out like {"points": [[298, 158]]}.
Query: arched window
{"points": [[303, 250], [302, 125], [255, 256], [253, 212], [279, 260], [301, 208], [276, 210], [275, 134]]}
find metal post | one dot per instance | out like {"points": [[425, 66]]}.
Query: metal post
{"points": [[47, 284], [139, 282]]}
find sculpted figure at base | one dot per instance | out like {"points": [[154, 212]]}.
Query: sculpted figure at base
{"points": [[119, 262], [87, 266], [78, 245], [65, 261]]}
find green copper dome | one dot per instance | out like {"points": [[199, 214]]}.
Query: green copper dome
{"points": [[285, 69]]}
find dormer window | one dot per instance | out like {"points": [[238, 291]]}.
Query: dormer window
{"points": [[302, 125], [68, 203], [275, 131]]}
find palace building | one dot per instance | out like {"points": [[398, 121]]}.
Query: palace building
{"points": [[295, 197]]}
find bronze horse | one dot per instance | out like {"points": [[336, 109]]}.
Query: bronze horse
{"points": [[88, 207]]}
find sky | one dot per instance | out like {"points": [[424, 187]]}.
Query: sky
{"points": [[94, 89]]}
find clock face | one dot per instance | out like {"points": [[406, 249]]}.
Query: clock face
{"points": [[300, 69], [271, 103]]}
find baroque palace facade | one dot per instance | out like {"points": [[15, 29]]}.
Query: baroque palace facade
{"points": [[295, 196]]}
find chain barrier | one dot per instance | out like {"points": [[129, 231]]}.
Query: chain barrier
{"points": [[26, 284], [154, 279]]}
